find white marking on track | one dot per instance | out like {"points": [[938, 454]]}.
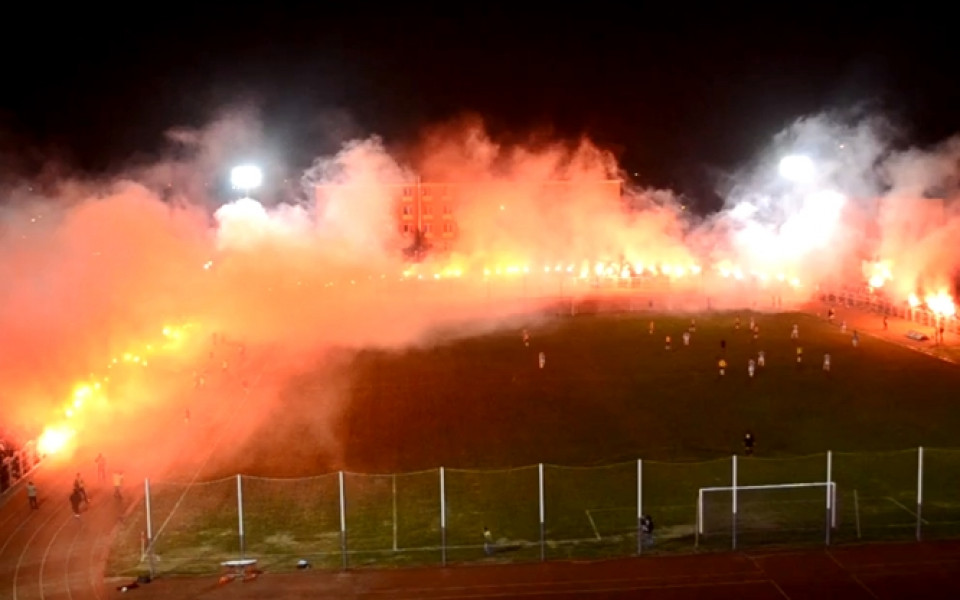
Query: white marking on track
{"points": [[16, 571], [46, 553], [21, 526]]}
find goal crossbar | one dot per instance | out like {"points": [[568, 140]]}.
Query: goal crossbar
{"points": [[830, 500], [730, 488]]}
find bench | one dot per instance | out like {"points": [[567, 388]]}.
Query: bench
{"points": [[243, 568]]}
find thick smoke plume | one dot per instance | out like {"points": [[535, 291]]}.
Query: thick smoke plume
{"points": [[139, 303]]}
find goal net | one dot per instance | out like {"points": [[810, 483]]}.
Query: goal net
{"points": [[768, 513]]}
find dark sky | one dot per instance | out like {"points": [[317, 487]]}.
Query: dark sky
{"points": [[678, 94]]}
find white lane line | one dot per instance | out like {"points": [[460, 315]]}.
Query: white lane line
{"points": [[46, 553], [16, 571]]}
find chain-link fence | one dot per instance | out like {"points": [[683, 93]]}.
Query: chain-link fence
{"points": [[543, 512]]}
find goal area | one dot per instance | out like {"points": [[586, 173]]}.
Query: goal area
{"points": [[772, 513]]}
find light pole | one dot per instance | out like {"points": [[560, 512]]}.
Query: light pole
{"points": [[246, 178]]}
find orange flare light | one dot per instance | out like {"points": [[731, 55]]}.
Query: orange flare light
{"points": [[941, 304], [54, 439]]}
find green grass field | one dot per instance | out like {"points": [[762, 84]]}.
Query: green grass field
{"points": [[610, 394]]}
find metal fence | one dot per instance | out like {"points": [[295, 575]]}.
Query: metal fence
{"points": [[920, 315], [543, 512], [17, 464]]}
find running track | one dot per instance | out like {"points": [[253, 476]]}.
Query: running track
{"points": [[50, 554]]}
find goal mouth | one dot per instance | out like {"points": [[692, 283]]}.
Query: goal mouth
{"points": [[780, 507]]}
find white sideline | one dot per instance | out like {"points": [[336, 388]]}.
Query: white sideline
{"points": [[910, 512], [596, 531]]}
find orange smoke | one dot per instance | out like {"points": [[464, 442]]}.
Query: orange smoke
{"points": [[114, 285]]}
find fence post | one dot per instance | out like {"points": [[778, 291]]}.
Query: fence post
{"points": [[919, 491], [343, 525], [829, 494], [443, 518], [639, 506], [696, 539], [734, 504], [240, 513], [393, 486], [542, 526], [146, 495]]}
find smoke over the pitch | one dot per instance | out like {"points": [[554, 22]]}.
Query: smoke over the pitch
{"points": [[872, 208], [100, 278]]}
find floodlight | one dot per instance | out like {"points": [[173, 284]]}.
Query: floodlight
{"points": [[797, 168], [246, 177]]}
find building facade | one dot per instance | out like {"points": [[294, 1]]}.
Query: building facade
{"points": [[427, 215]]}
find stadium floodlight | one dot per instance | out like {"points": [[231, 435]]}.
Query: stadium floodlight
{"points": [[246, 178], [797, 168]]}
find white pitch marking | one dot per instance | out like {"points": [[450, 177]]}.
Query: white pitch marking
{"points": [[596, 532]]}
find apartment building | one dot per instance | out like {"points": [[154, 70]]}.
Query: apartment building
{"points": [[427, 211]]}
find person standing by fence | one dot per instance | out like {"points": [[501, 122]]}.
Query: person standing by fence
{"points": [[32, 495], [101, 468], [488, 541], [80, 489], [117, 484], [75, 499], [646, 530]]}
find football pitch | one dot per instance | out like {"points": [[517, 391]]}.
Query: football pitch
{"points": [[610, 395]]}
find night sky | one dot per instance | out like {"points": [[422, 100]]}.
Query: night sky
{"points": [[677, 95]]}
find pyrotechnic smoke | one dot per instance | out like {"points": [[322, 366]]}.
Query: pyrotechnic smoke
{"points": [[113, 291], [869, 208]]}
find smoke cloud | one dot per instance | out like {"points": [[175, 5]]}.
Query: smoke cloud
{"points": [[139, 303]]}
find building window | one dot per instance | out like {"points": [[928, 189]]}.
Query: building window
{"points": [[446, 209], [448, 227], [406, 228], [426, 209], [408, 191], [428, 228], [406, 209]]}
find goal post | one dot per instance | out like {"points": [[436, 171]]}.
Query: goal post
{"points": [[765, 506]]}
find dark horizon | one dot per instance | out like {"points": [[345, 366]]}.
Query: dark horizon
{"points": [[678, 100]]}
